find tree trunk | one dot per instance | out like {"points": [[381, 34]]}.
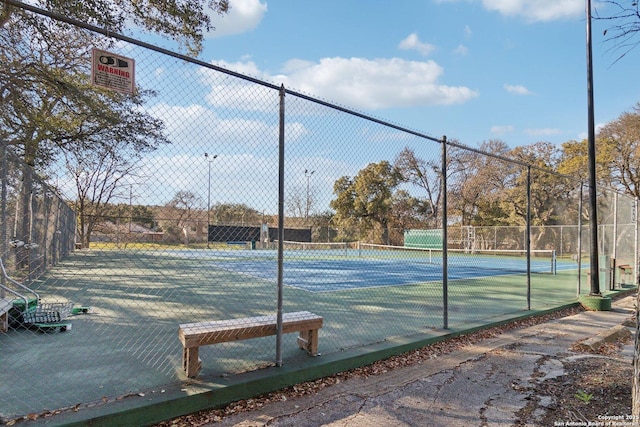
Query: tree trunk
{"points": [[23, 231], [635, 387]]}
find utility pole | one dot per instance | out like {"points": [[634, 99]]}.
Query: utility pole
{"points": [[206, 156], [308, 174], [591, 141]]}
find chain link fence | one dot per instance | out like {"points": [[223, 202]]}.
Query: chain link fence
{"points": [[38, 226], [260, 200]]}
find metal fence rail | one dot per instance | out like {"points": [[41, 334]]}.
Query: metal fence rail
{"points": [[245, 157]]}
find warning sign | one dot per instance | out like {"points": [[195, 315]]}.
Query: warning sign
{"points": [[112, 71]]}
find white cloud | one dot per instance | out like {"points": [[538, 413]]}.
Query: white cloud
{"points": [[598, 128], [379, 83], [294, 65], [168, 173], [180, 121], [244, 15], [413, 42], [244, 66], [517, 89], [501, 130], [542, 132], [533, 10], [461, 50], [185, 126], [228, 91], [537, 10], [367, 84]]}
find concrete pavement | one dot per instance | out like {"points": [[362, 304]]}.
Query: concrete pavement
{"points": [[484, 384]]}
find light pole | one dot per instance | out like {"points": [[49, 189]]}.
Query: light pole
{"points": [[209, 161], [591, 159], [329, 229], [308, 174]]}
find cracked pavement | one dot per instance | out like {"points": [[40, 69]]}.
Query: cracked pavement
{"points": [[485, 384]]}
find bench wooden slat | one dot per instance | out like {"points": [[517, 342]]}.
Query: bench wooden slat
{"points": [[194, 335], [205, 333], [5, 305], [248, 321]]}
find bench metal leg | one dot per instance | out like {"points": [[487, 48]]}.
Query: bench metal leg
{"points": [[308, 340], [191, 362]]}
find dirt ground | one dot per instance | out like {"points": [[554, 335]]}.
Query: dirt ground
{"points": [[603, 381]]}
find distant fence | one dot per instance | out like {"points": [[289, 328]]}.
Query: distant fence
{"points": [[227, 233]]}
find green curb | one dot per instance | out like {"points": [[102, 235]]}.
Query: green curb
{"points": [[209, 393], [595, 302]]}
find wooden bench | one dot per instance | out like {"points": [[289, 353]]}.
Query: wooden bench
{"points": [[626, 271], [5, 306], [194, 335]]}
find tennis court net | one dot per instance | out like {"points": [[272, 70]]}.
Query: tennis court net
{"points": [[542, 260], [335, 248]]}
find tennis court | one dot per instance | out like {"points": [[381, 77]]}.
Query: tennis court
{"points": [[365, 297], [333, 267]]}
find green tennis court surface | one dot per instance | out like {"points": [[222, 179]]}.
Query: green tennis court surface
{"points": [[316, 269], [128, 342]]}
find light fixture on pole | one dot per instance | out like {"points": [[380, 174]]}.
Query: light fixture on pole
{"points": [[308, 174], [209, 161]]}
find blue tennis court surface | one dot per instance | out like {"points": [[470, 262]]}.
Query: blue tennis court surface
{"points": [[316, 273]]}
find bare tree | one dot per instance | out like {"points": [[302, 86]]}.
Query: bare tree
{"points": [[426, 175], [624, 30], [624, 34], [477, 184], [619, 143], [99, 177], [300, 202], [51, 111], [185, 206]]}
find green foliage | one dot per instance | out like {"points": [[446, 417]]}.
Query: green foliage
{"points": [[52, 113], [366, 201], [617, 154], [50, 107], [181, 20], [138, 214], [373, 188], [619, 145], [583, 396], [236, 213]]}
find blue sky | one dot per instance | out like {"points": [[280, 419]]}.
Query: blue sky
{"points": [[473, 70]]}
